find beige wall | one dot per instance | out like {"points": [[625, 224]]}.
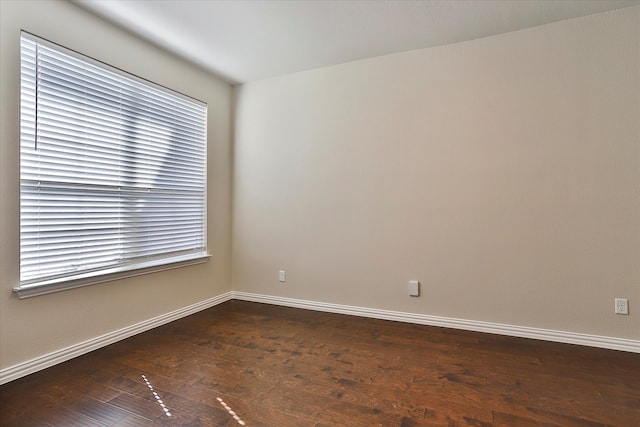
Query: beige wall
{"points": [[37, 326], [503, 173]]}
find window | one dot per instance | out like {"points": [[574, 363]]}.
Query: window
{"points": [[112, 172]]}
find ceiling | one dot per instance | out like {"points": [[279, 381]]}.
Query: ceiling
{"points": [[250, 40]]}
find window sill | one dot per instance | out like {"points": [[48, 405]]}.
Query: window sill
{"points": [[95, 277]]}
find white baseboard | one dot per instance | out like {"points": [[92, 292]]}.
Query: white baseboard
{"points": [[25, 368], [447, 322]]}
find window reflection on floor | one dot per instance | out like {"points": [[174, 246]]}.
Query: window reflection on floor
{"points": [[160, 402], [168, 413]]}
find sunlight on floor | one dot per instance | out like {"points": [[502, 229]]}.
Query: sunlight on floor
{"points": [[231, 412], [164, 408], [168, 414]]}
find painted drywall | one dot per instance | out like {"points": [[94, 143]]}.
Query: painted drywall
{"points": [[38, 326], [503, 173]]}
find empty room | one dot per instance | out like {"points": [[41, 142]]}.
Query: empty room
{"points": [[320, 213]]}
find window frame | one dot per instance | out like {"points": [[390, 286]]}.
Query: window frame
{"points": [[52, 283]]}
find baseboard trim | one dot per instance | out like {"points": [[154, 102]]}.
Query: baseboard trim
{"points": [[610, 343], [22, 369], [25, 368]]}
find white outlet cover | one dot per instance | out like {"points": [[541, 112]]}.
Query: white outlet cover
{"points": [[622, 306], [414, 288]]}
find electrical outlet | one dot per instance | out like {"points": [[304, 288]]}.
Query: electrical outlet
{"points": [[282, 276], [622, 306], [414, 288]]}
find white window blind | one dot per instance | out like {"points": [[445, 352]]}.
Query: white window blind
{"points": [[112, 170]]}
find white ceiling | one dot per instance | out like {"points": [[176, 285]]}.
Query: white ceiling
{"points": [[249, 40]]}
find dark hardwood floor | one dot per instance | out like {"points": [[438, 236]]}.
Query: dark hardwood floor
{"points": [[251, 364]]}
